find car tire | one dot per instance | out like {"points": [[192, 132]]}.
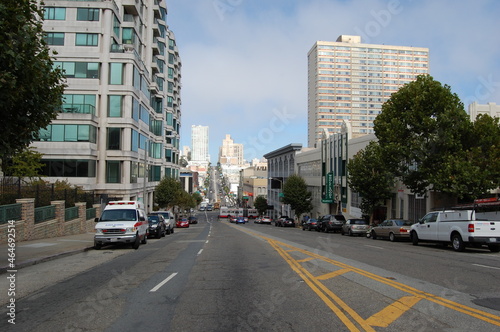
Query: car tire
{"points": [[342, 232], [145, 239], [137, 242], [97, 246], [374, 235], [349, 232], [494, 247], [414, 238], [457, 243], [392, 238], [158, 234]]}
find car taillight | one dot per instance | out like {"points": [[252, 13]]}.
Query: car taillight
{"points": [[470, 228], [403, 230]]}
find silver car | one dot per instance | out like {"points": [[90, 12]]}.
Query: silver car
{"points": [[354, 226], [392, 229]]}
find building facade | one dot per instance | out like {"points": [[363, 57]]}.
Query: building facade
{"points": [[199, 145], [231, 153], [349, 80], [118, 130]]}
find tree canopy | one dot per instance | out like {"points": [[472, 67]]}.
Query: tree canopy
{"points": [[167, 192], [30, 88], [260, 204], [296, 194]]}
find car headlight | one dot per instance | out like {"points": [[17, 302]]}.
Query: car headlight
{"points": [[98, 231], [153, 226], [131, 230]]}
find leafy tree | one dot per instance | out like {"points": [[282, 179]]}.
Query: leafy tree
{"points": [[184, 200], [30, 88], [420, 131], [260, 204], [296, 194], [25, 164], [167, 192], [368, 175], [197, 198]]}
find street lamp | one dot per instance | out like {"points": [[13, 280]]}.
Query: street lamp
{"points": [[280, 194]]}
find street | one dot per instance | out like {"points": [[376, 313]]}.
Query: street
{"points": [[218, 276]]}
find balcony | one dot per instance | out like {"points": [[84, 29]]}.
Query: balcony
{"points": [[131, 6]]}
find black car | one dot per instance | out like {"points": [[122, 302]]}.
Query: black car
{"points": [[310, 224], [331, 222], [157, 226], [193, 220], [280, 221]]}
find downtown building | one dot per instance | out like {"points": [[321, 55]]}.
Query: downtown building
{"points": [[117, 132], [199, 145], [349, 81]]}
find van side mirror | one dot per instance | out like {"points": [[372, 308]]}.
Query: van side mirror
{"points": [[96, 220]]}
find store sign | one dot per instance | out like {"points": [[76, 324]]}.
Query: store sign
{"points": [[328, 198]]}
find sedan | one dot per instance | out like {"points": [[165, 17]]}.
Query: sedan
{"points": [[240, 220], [393, 229], [354, 226], [266, 220], [287, 222], [193, 220], [310, 224], [182, 223], [157, 226]]}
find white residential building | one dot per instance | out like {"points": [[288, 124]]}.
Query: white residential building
{"points": [[199, 145]]}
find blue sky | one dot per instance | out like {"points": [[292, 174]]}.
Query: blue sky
{"points": [[244, 62]]}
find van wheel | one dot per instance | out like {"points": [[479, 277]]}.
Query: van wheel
{"points": [[457, 243], [137, 242]]}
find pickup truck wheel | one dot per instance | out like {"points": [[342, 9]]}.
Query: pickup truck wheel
{"points": [[97, 246], [392, 238], [457, 243], [137, 242], [414, 238], [494, 247]]}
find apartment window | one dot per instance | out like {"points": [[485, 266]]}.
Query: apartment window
{"points": [[134, 144], [114, 106], [87, 39], [84, 104], [79, 69], [113, 171], [155, 173], [87, 14], [69, 168], [170, 73], [68, 133], [54, 38], [116, 73], [113, 138], [54, 13], [135, 109]]}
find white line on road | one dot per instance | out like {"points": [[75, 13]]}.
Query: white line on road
{"points": [[488, 267], [154, 289], [367, 245], [199, 252]]}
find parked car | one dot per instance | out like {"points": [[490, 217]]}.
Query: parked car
{"points": [[310, 224], [182, 223], [266, 220], [279, 222], [354, 226], [331, 222], [257, 220], [232, 219], [192, 220], [240, 220], [157, 226], [393, 229], [169, 220]]}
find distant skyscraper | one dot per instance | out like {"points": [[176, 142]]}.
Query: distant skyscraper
{"points": [[199, 144], [230, 153], [348, 80]]}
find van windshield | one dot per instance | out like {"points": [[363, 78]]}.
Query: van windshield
{"points": [[119, 215]]}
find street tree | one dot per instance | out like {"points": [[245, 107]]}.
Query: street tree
{"points": [[197, 198], [420, 131], [25, 164], [30, 88], [368, 175], [185, 201], [260, 204], [167, 192], [295, 194]]}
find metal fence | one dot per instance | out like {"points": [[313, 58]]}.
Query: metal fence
{"points": [[10, 212]]}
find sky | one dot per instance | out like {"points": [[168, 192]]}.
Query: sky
{"points": [[244, 62]]}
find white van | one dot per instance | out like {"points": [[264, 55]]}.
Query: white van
{"points": [[121, 222], [169, 220]]}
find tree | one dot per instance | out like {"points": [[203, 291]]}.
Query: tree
{"points": [[197, 198], [420, 130], [260, 204], [368, 175], [296, 194], [184, 200], [167, 192], [25, 164], [30, 88]]}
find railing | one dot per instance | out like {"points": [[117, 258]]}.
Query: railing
{"points": [[78, 108], [10, 212], [45, 213], [90, 213], [70, 213]]}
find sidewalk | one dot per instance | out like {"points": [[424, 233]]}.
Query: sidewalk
{"points": [[37, 251]]}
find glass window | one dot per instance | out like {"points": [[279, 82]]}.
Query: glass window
{"points": [[113, 138], [116, 26], [87, 39], [54, 38], [135, 109], [113, 173], [114, 106], [70, 133], [87, 14], [135, 140], [79, 104], [116, 73], [79, 69], [54, 13], [57, 133]]}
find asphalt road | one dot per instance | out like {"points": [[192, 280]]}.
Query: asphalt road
{"points": [[217, 276]]}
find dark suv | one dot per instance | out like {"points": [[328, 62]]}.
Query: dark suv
{"points": [[331, 222]]}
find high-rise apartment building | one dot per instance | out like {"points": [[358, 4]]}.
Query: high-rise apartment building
{"points": [[231, 153], [117, 132], [349, 81], [199, 145]]}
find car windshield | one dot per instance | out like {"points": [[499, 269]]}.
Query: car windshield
{"points": [[153, 219], [402, 222], [119, 215]]}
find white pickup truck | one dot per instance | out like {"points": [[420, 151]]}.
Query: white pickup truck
{"points": [[461, 228]]}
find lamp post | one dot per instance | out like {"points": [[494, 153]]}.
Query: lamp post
{"points": [[280, 193]]}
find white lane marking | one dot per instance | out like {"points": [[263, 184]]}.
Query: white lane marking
{"points": [[154, 289], [199, 252], [367, 245], [206, 241], [488, 267]]}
